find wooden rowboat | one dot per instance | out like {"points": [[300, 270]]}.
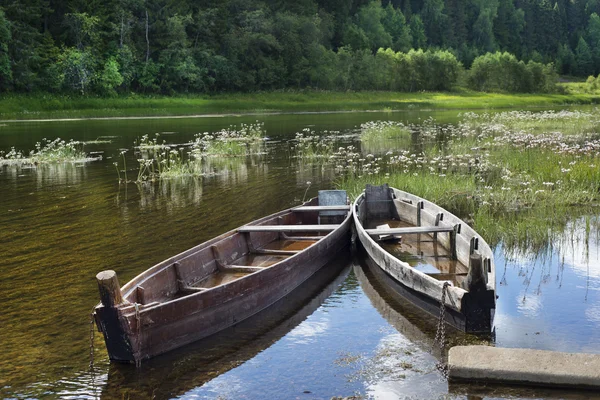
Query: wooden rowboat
{"points": [[220, 282], [428, 251]]}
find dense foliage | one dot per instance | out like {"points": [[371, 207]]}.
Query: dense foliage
{"points": [[158, 46]]}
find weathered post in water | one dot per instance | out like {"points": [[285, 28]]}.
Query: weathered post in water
{"points": [[108, 318], [110, 290]]}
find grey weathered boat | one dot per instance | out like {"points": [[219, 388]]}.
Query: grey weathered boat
{"points": [[426, 250], [220, 282]]}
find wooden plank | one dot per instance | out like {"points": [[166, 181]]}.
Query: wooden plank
{"points": [[410, 230], [287, 228], [321, 208], [281, 252], [312, 238], [242, 268]]}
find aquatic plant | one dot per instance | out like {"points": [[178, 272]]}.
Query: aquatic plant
{"points": [[488, 164], [48, 151], [378, 130], [160, 160], [309, 146], [230, 142]]}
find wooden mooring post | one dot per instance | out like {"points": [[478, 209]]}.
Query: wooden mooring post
{"points": [[110, 290]]}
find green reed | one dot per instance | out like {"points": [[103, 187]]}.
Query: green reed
{"points": [[487, 166]]}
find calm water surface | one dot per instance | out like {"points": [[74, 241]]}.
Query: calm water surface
{"points": [[343, 334]]}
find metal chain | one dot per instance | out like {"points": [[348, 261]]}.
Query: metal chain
{"points": [[440, 335], [92, 372]]}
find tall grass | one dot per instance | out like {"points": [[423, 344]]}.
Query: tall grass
{"points": [[489, 166]]}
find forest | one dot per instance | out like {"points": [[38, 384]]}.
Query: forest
{"points": [[107, 47]]}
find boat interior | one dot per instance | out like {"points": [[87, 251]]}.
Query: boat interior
{"points": [[423, 252], [249, 249], [419, 237]]}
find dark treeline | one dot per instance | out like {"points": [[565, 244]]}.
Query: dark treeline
{"points": [[168, 46]]}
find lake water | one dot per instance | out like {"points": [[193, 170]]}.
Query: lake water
{"points": [[344, 334]]}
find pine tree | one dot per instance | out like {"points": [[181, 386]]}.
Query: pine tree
{"points": [[584, 63], [395, 24], [5, 71], [434, 20], [417, 31]]}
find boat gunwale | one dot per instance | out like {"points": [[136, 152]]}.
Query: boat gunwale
{"points": [[138, 280], [455, 295]]}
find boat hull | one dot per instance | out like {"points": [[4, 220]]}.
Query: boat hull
{"points": [[471, 312], [135, 333]]}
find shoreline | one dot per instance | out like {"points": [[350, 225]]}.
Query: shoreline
{"points": [[45, 108]]}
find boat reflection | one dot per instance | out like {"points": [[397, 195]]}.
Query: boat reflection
{"points": [[179, 371], [418, 326]]}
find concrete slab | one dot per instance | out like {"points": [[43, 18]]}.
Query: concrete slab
{"points": [[524, 366]]}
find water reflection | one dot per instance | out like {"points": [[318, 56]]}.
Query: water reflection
{"points": [[549, 293], [171, 193], [47, 174], [59, 227], [184, 369]]}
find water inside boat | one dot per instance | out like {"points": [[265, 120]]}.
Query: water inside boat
{"points": [[422, 252]]}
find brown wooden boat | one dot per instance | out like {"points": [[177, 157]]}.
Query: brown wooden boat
{"points": [[428, 251], [220, 282]]}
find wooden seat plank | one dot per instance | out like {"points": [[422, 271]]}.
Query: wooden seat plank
{"points": [[280, 252], [410, 230], [287, 228], [242, 268], [322, 208]]}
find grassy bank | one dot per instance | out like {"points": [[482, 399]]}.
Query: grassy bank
{"points": [[488, 166], [47, 106]]}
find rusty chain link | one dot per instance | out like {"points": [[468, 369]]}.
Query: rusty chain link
{"points": [[440, 335]]}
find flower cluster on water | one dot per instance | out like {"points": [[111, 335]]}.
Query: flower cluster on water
{"points": [[501, 160], [378, 130], [47, 151], [309, 146], [232, 142], [160, 160]]}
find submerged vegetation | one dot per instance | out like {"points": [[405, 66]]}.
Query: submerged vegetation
{"points": [[47, 151]]}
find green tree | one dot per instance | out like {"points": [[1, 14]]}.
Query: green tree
{"points": [[434, 21], [30, 51], [565, 60], [110, 77], [417, 30], [593, 35], [584, 62], [367, 31], [508, 27], [5, 36], [78, 69], [395, 24], [483, 34]]}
